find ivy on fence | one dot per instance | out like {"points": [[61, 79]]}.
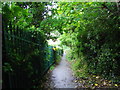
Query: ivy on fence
{"points": [[26, 57]]}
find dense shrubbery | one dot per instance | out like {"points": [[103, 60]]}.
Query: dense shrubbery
{"points": [[91, 30]]}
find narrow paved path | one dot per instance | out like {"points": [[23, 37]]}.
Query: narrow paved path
{"points": [[62, 75]]}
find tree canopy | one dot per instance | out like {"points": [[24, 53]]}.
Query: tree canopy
{"points": [[90, 30]]}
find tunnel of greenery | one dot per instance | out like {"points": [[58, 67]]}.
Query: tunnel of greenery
{"points": [[89, 29]]}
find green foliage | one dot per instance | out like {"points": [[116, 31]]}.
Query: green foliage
{"points": [[26, 53], [91, 30], [79, 65], [7, 67], [58, 54], [58, 59], [52, 67]]}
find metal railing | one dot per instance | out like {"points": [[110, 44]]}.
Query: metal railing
{"points": [[25, 57]]}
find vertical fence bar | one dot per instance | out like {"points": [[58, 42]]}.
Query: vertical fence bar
{"points": [[22, 43]]}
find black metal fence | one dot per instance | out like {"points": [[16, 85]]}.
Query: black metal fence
{"points": [[26, 57]]}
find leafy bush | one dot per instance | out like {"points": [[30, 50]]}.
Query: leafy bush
{"points": [[92, 33]]}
